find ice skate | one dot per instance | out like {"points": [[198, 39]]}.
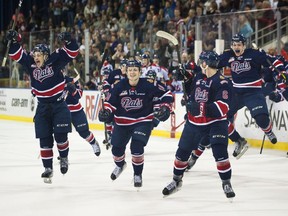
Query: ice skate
{"points": [[227, 188], [47, 175], [117, 171], [191, 163], [173, 187], [271, 136], [64, 165], [138, 181], [241, 147], [96, 148]]}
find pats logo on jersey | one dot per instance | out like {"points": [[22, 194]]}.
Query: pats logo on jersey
{"points": [[42, 74], [201, 95], [130, 104], [240, 67]]}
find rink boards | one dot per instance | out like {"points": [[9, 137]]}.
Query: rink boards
{"points": [[20, 105]]}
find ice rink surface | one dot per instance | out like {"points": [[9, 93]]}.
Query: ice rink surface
{"points": [[259, 181]]}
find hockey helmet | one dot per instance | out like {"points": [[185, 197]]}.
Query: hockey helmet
{"points": [[106, 71], [155, 56], [43, 48], [123, 62], [151, 74], [238, 38], [134, 63], [211, 59], [145, 56]]}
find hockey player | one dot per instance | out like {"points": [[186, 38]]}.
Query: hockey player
{"points": [[207, 107], [79, 119], [52, 116], [245, 64], [161, 72], [145, 62], [134, 102], [114, 77]]}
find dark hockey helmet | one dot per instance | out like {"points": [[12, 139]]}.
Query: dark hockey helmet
{"points": [[238, 38], [155, 56], [106, 71], [211, 59], [151, 74], [123, 62], [43, 48], [134, 63], [145, 56]]}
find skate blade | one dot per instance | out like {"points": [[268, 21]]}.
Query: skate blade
{"points": [[176, 190], [245, 148], [138, 189], [231, 199], [47, 180], [187, 169]]}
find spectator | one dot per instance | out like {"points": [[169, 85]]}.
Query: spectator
{"points": [[245, 27], [284, 51]]}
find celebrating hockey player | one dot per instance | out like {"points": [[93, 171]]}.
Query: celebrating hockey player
{"points": [[134, 102], [209, 98], [245, 64], [79, 119], [114, 77], [48, 83]]}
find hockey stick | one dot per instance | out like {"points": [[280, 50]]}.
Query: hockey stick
{"points": [[174, 41], [75, 79], [254, 46], [263, 140], [13, 28], [105, 141]]}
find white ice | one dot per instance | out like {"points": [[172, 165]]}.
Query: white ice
{"points": [[259, 181]]}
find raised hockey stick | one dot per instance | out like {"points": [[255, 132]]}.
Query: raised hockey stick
{"points": [[13, 28], [75, 79], [174, 41]]}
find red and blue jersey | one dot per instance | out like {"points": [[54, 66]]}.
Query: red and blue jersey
{"points": [[216, 93], [246, 69], [47, 82], [135, 104]]}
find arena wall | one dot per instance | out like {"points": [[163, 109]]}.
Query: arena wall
{"points": [[20, 105]]}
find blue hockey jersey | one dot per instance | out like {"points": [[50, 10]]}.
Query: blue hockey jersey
{"points": [[215, 92], [47, 82], [131, 105], [246, 69]]}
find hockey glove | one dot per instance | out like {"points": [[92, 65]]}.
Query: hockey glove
{"points": [[196, 109], [162, 114], [183, 74], [105, 116], [183, 101], [71, 88], [65, 37], [14, 36], [276, 96]]}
